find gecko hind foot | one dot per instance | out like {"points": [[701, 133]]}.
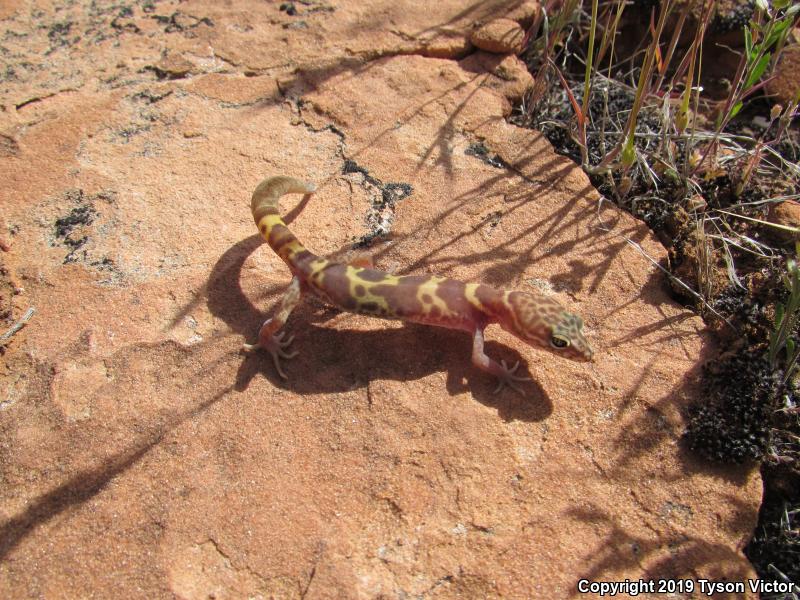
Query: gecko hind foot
{"points": [[275, 345], [509, 379]]}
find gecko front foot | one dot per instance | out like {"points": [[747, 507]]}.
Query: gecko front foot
{"points": [[507, 378], [275, 345]]}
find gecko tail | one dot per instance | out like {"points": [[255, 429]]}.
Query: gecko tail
{"points": [[267, 216], [268, 192]]}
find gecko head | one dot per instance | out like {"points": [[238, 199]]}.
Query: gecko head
{"points": [[543, 322]]}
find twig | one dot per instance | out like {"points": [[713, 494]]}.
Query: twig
{"points": [[669, 275], [17, 326], [681, 283], [761, 222]]}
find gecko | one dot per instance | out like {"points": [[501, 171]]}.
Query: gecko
{"points": [[536, 319]]}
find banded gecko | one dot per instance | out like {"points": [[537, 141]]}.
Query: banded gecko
{"points": [[536, 319]]}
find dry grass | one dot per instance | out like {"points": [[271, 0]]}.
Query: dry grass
{"points": [[703, 171]]}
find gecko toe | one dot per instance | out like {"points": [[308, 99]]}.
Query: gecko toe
{"points": [[510, 382], [276, 345], [509, 371], [507, 378], [286, 355], [277, 362]]}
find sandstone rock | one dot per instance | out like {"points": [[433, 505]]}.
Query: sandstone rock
{"points": [[173, 67], [234, 90], [447, 46], [524, 13], [786, 77], [785, 214], [153, 459], [510, 77], [9, 7], [501, 36]]}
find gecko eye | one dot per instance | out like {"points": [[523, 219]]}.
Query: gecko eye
{"points": [[559, 342]]}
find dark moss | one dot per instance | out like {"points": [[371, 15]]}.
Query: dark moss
{"points": [[736, 18], [776, 540], [732, 422]]}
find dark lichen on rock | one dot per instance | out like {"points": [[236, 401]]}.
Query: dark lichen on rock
{"points": [[73, 229], [480, 151], [384, 198]]}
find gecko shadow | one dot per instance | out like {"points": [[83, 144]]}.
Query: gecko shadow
{"points": [[332, 359]]}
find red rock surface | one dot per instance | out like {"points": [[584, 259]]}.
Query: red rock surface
{"points": [[143, 455], [785, 82], [502, 36], [524, 12], [785, 214]]}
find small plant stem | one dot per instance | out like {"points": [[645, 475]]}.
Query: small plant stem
{"points": [[628, 153], [753, 161], [785, 321], [587, 78], [609, 34], [682, 119], [676, 34], [786, 117]]}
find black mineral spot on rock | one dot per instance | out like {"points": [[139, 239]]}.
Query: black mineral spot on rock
{"points": [[381, 216], [8, 146], [394, 192], [289, 8], [181, 22], [479, 150], [59, 35], [80, 215], [72, 230]]}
